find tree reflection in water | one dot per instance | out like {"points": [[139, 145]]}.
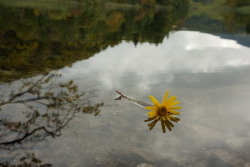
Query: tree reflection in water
{"points": [[28, 160], [46, 107]]}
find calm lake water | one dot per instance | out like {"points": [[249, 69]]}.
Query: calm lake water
{"points": [[50, 55]]}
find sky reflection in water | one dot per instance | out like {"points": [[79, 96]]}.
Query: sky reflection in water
{"points": [[183, 51], [207, 73]]}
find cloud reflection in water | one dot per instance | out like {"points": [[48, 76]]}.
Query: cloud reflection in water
{"points": [[183, 51], [206, 71]]}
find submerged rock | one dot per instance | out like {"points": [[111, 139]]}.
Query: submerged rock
{"points": [[247, 164], [231, 159], [144, 165]]}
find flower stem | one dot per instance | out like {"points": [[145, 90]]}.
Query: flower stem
{"points": [[138, 102]]}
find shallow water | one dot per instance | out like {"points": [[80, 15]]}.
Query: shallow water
{"points": [[207, 72], [209, 78]]}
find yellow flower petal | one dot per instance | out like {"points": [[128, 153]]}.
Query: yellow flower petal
{"points": [[155, 102], [150, 119], [151, 108], [152, 124], [174, 119], [163, 126], [174, 108], [152, 112], [152, 115], [170, 123], [173, 103], [164, 100], [167, 125], [170, 100], [174, 112]]}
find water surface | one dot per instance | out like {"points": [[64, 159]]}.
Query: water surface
{"points": [[207, 71]]}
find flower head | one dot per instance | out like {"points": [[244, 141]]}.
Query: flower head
{"points": [[163, 112]]}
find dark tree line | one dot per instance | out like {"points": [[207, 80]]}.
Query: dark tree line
{"points": [[57, 39]]}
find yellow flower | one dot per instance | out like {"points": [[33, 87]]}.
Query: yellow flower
{"points": [[163, 112]]}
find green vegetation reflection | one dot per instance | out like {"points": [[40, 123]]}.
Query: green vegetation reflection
{"points": [[36, 38], [219, 16], [53, 39]]}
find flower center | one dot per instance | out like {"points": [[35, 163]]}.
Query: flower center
{"points": [[162, 110]]}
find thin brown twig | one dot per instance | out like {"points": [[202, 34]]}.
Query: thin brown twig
{"points": [[121, 95]]}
